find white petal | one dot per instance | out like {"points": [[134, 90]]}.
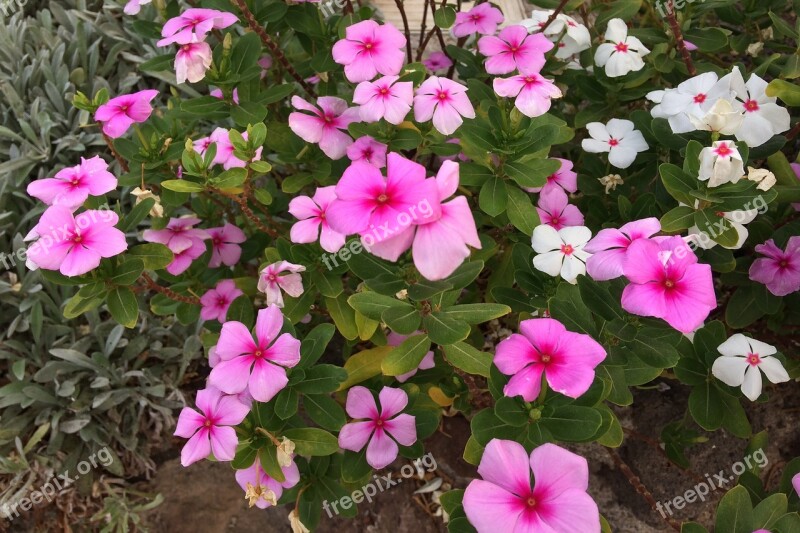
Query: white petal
{"points": [[549, 263], [761, 348], [730, 370], [598, 131], [577, 236], [572, 268], [774, 370], [545, 239], [752, 383], [736, 345], [617, 30], [621, 157]]}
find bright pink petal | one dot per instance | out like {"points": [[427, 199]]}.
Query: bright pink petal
{"points": [[381, 450], [266, 380]]}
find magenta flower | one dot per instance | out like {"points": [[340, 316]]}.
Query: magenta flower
{"points": [[258, 366], [796, 483], [445, 101], [504, 499], [564, 177], [120, 113], [224, 156], [225, 241], [183, 259], [325, 124], [610, 247], [74, 244], [313, 225], [261, 489], [209, 430], [667, 282], [779, 270], [216, 301], [437, 61], [545, 347], [380, 427], [367, 201], [483, 19], [194, 24], [385, 98], [272, 280], [179, 234], [514, 48], [395, 339], [368, 150], [217, 93], [533, 92], [369, 48], [192, 61], [73, 185], [555, 210]]}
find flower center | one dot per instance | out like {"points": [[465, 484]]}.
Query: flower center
{"points": [[669, 284], [514, 48], [382, 199], [753, 359], [783, 263], [545, 358], [384, 91], [613, 142], [328, 118], [207, 423], [77, 239], [567, 249], [621, 47], [554, 221], [258, 354], [750, 106], [368, 46], [217, 241], [699, 98], [442, 95], [76, 182], [221, 302], [368, 153], [272, 277], [530, 79], [531, 502], [379, 422], [475, 18], [723, 150]]}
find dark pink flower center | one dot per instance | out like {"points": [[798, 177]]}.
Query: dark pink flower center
{"points": [[621, 47], [75, 182], [750, 106], [699, 98], [382, 199], [77, 239], [217, 241], [669, 284], [383, 91], [475, 17], [555, 221], [545, 358], [783, 263], [723, 150], [272, 277], [531, 79], [442, 95], [258, 354], [613, 142], [221, 301], [753, 359], [207, 423], [368, 153], [531, 502], [566, 249], [379, 422], [327, 117]]}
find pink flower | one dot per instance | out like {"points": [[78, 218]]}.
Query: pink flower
{"points": [[566, 359], [258, 366], [385, 98], [193, 24], [610, 247], [366, 201], [225, 241], [380, 427], [74, 244], [257, 483], [183, 259], [483, 19], [532, 91], [555, 210], [217, 93], [217, 301], [134, 6], [209, 430], [192, 61], [445, 101], [437, 62], [395, 339], [118, 114], [313, 225], [325, 124], [185, 242], [505, 501], [368, 150], [271, 281], [225, 149], [667, 282], [796, 483], [564, 177], [514, 48], [369, 48], [72, 186], [780, 270]]}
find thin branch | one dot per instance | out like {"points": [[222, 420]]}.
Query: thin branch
{"points": [[274, 49], [424, 23], [406, 30], [251, 216], [676, 31], [348, 7], [122, 163], [169, 293], [438, 30], [554, 14]]}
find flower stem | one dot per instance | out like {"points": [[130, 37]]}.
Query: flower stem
{"points": [[676, 31]]}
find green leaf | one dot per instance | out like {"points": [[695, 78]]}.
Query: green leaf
{"points": [[372, 304], [678, 183], [718, 228], [573, 423], [314, 344], [468, 358], [241, 310], [531, 173], [677, 219], [229, 179], [123, 306], [136, 215], [407, 356], [324, 411], [444, 17], [707, 407], [735, 512], [312, 441], [476, 313], [321, 379], [521, 212], [155, 256], [364, 365], [268, 457], [343, 316], [769, 510], [568, 307], [444, 329], [707, 39], [788, 92], [128, 272], [402, 320], [182, 186], [245, 53], [486, 425], [598, 298], [493, 197]]}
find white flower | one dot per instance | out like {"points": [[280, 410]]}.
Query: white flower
{"points": [[574, 41], [742, 361], [141, 195], [722, 118], [618, 138], [622, 54], [561, 252], [721, 163], [737, 219], [763, 117], [692, 98], [763, 177]]}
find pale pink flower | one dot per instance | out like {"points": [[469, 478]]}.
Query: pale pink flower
{"points": [[215, 302], [384, 98], [667, 282], [71, 186], [721, 163], [368, 150], [545, 347], [209, 431], [482, 19], [555, 210], [134, 6], [382, 427], [610, 247], [313, 222], [193, 24], [505, 501], [445, 101], [217, 93], [437, 62], [273, 279], [325, 124], [514, 49], [256, 365], [564, 178], [533, 92], [395, 339], [74, 244], [255, 481], [120, 113], [192, 61], [225, 150], [780, 269], [225, 241], [183, 259], [369, 48], [186, 242]]}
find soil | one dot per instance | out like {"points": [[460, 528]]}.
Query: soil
{"points": [[205, 497]]}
